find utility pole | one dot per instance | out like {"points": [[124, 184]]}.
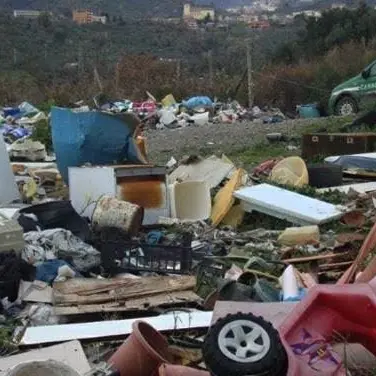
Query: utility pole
{"points": [[249, 70], [178, 70], [97, 79], [14, 56], [210, 61], [80, 59], [117, 77]]}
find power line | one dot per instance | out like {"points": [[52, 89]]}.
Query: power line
{"points": [[293, 82]]}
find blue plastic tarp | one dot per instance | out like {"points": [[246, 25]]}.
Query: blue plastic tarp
{"points": [[92, 137], [11, 111], [198, 102]]}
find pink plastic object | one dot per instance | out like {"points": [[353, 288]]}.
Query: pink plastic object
{"points": [[148, 106], [328, 314]]}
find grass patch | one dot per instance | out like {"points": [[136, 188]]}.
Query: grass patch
{"points": [[330, 125], [261, 152], [254, 155]]}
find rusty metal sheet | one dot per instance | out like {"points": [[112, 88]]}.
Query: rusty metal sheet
{"points": [[148, 192]]}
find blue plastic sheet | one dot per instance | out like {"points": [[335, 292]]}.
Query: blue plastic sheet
{"points": [[198, 102], [49, 270], [11, 111], [15, 132], [92, 137]]}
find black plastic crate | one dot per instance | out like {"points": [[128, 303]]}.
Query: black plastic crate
{"points": [[120, 254], [157, 258]]}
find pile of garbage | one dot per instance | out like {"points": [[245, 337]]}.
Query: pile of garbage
{"points": [[17, 126], [194, 111], [200, 266]]}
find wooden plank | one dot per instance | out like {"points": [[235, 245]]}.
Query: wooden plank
{"points": [[147, 286], [334, 265], [169, 299], [368, 246], [69, 353], [315, 258], [83, 285]]}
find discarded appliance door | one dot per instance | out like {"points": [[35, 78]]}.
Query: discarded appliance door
{"points": [[93, 137], [8, 187], [284, 204], [142, 185]]}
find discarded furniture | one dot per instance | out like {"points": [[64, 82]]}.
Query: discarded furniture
{"points": [[143, 185], [324, 144]]}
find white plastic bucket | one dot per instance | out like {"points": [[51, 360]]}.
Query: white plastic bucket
{"points": [[190, 200]]}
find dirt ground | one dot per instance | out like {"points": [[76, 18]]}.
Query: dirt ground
{"points": [[216, 138]]}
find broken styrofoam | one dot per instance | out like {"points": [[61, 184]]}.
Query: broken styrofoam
{"points": [[190, 200], [288, 205], [200, 119], [167, 117], [212, 170]]}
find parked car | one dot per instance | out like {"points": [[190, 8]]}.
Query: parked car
{"points": [[350, 96]]}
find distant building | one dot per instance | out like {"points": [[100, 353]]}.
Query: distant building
{"points": [[198, 12], [262, 24], [247, 18], [101, 19], [308, 13], [27, 13], [83, 17], [338, 6]]}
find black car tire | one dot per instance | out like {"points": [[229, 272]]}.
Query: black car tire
{"points": [[346, 101], [323, 175], [270, 358]]}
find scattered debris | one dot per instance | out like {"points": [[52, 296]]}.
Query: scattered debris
{"points": [[169, 244]]}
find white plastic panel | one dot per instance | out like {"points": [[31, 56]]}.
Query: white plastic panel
{"points": [[288, 205], [87, 185]]}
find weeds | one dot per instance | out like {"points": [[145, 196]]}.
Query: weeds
{"points": [[42, 133]]}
